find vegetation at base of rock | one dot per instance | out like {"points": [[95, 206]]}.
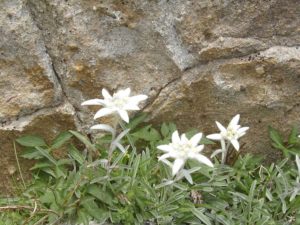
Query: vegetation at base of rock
{"points": [[135, 189]]}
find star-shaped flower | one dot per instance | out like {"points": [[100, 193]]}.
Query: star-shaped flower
{"points": [[119, 103], [181, 149], [232, 133]]}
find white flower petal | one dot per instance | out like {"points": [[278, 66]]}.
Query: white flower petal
{"points": [[138, 98], [103, 112], [104, 127], [106, 94], [221, 127], [165, 148], [184, 139], [178, 164], [243, 129], [167, 162], [235, 144], [199, 148], [196, 139], [163, 157], [131, 106], [93, 102], [215, 137], [203, 159], [175, 137], [126, 92], [124, 115], [234, 121]]}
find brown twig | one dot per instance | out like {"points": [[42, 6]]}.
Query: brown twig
{"points": [[25, 207]]}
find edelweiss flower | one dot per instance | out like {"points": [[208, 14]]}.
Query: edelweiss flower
{"points": [[182, 149], [119, 103], [232, 133]]}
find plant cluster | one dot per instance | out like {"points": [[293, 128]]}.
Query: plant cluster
{"points": [[136, 174]]}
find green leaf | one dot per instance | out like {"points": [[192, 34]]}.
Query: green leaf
{"points": [[201, 216], [293, 137], [275, 136], [148, 134], [31, 141], [206, 141], [75, 154], [83, 139], [83, 217], [138, 119], [96, 191], [40, 165], [61, 139], [31, 153], [46, 154], [135, 169], [93, 210], [164, 130]]}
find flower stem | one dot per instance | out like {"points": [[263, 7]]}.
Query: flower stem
{"points": [[111, 147], [122, 125], [225, 147]]}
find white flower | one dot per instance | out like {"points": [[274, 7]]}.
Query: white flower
{"points": [[182, 149], [119, 103], [232, 133]]}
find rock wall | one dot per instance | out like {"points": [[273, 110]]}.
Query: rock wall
{"points": [[197, 60]]}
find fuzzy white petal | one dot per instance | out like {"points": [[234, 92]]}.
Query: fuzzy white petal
{"points": [[131, 106], [104, 127], [106, 94], [234, 121], [178, 164], [138, 98], [243, 129], [126, 92], [203, 159], [124, 115], [196, 139], [221, 127], [167, 162], [103, 112], [184, 139], [175, 137], [93, 102], [215, 137], [164, 156], [165, 148], [235, 144], [199, 148]]}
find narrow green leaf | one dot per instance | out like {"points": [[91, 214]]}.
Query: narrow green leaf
{"points": [[75, 154], [275, 136], [293, 137], [135, 169], [46, 154], [31, 141], [61, 139], [83, 139], [201, 216], [31, 153]]}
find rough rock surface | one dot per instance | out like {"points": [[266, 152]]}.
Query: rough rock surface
{"points": [[198, 60]]}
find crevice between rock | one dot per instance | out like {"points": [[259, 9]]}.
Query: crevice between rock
{"points": [[64, 98]]}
